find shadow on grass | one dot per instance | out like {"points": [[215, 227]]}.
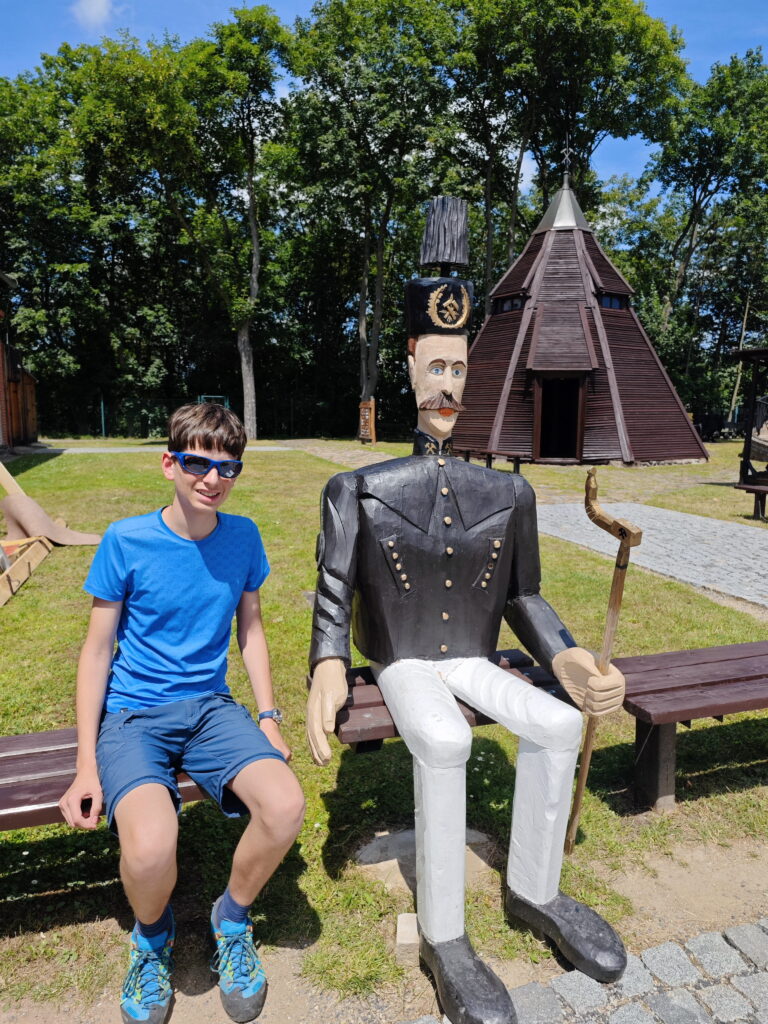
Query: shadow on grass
{"points": [[52, 877], [374, 792], [722, 758], [19, 466]]}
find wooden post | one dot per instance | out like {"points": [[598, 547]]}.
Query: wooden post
{"points": [[366, 431]]}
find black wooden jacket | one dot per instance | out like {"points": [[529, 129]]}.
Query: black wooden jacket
{"points": [[423, 555]]}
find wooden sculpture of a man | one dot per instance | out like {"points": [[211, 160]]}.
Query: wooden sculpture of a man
{"points": [[421, 557]]}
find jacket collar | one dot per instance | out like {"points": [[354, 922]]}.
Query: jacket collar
{"points": [[425, 444]]}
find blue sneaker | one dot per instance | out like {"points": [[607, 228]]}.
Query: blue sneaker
{"points": [[147, 990], [242, 982]]}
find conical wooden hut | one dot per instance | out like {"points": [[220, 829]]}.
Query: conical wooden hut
{"points": [[562, 370]]}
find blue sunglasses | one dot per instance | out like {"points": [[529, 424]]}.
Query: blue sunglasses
{"points": [[199, 465]]}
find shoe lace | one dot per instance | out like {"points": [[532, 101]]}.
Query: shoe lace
{"points": [[236, 958], [148, 980]]}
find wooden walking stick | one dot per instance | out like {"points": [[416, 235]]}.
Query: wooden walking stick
{"points": [[629, 536]]}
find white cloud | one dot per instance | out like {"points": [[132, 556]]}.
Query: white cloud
{"points": [[93, 14]]}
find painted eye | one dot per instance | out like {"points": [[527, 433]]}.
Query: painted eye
{"points": [[457, 371], [437, 370]]}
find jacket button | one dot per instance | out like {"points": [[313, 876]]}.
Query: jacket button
{"points": [[403, 576], [443, 648], [449, 551], [399, 566], [395, 555], [390, 543], [487, 575], [443, 490], [441, 462], [449, 583], [494, 554], [447, 520], [446, 616], [497, 544], [483, 584], [407, 586]]}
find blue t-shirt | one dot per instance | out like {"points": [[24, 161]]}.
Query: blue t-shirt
{"points": [[178, 597]]}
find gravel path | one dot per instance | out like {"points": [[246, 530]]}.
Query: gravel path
{"points": [[716, 978], [724, 557]]}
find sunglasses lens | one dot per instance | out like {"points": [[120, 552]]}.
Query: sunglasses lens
{"points": [[197, 464], [230, 468]]}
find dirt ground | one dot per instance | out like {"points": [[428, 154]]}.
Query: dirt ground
{"points": [[696, 889]]}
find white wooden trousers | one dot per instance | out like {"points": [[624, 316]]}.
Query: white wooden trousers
{"points": [[420, 697]]}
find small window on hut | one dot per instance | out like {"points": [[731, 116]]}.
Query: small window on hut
{"points": [[508, 304], [608, 301]]}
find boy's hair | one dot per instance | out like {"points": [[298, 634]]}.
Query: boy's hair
{"points": [[209, 426]]}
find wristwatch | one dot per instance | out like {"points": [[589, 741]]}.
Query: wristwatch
{"points": [[275, 713]]}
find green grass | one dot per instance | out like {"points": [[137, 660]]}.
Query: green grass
{"points": [[61, 904]]}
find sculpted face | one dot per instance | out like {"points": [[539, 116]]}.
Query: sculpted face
{"points": [[438, 373]]}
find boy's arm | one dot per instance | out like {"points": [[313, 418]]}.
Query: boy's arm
{"points": [[253, 647], [92, 674]]}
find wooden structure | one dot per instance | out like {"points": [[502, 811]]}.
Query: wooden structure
{"points": [[18, 560], [562, 370], [662, 690], [18, 406], [35, 772]]}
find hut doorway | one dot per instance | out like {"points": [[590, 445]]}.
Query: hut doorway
{"points": [[559, 420]]}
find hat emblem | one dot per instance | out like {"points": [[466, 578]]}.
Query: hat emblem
{"points": [[448, 312]]}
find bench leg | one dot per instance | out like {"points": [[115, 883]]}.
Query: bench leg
{"points": [[655, 765]]}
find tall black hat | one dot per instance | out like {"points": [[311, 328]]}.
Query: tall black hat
{"points": [[441, 305]]}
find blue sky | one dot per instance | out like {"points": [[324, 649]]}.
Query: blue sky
{"points": [[712, 29]]}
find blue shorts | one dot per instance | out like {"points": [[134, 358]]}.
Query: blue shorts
{"points": [[211, 738]]}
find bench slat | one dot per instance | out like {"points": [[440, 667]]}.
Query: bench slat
{"points": [[31, 743], [643, 663], [700, 701], [681, 678]]}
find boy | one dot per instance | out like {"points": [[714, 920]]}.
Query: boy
{"points": [[165, 586]]}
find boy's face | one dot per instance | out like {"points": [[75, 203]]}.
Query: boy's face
{"points": [[198, 493]]}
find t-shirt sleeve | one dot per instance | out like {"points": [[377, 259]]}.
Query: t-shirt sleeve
{"points": [[106, 578], [258, 570]]}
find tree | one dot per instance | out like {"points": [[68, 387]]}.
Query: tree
{"points": [[371, 98]]}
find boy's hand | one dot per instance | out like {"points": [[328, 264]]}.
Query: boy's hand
{"points": [[271, 730], [86, 789], [329, 692]]}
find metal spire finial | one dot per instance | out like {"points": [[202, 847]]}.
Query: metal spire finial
{"points": [[567, 154]]}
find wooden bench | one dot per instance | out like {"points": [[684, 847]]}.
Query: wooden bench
{"points": [[365, 722], [662, 690], [759, 491], [35, 771]]}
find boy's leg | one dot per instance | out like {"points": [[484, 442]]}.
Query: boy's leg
{"points": [[148, 830], [273, 797], [275, 802]]}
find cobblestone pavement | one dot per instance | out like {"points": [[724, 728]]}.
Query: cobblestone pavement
{"points": [[716, 978], [726, 557]]}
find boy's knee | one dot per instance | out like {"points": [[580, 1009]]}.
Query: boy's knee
{"points": [[284, 816], [148, 854]]}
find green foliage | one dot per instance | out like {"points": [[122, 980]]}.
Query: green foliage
{"points": [[173, 215]]}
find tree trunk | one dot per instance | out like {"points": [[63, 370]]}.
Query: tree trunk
{"points": [[245, 349], [362, 313], [378, 301], [488, 217], [737, 385], [244, 346]]}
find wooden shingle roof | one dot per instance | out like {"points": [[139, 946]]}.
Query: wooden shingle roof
{"points": [[562, 312]]}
